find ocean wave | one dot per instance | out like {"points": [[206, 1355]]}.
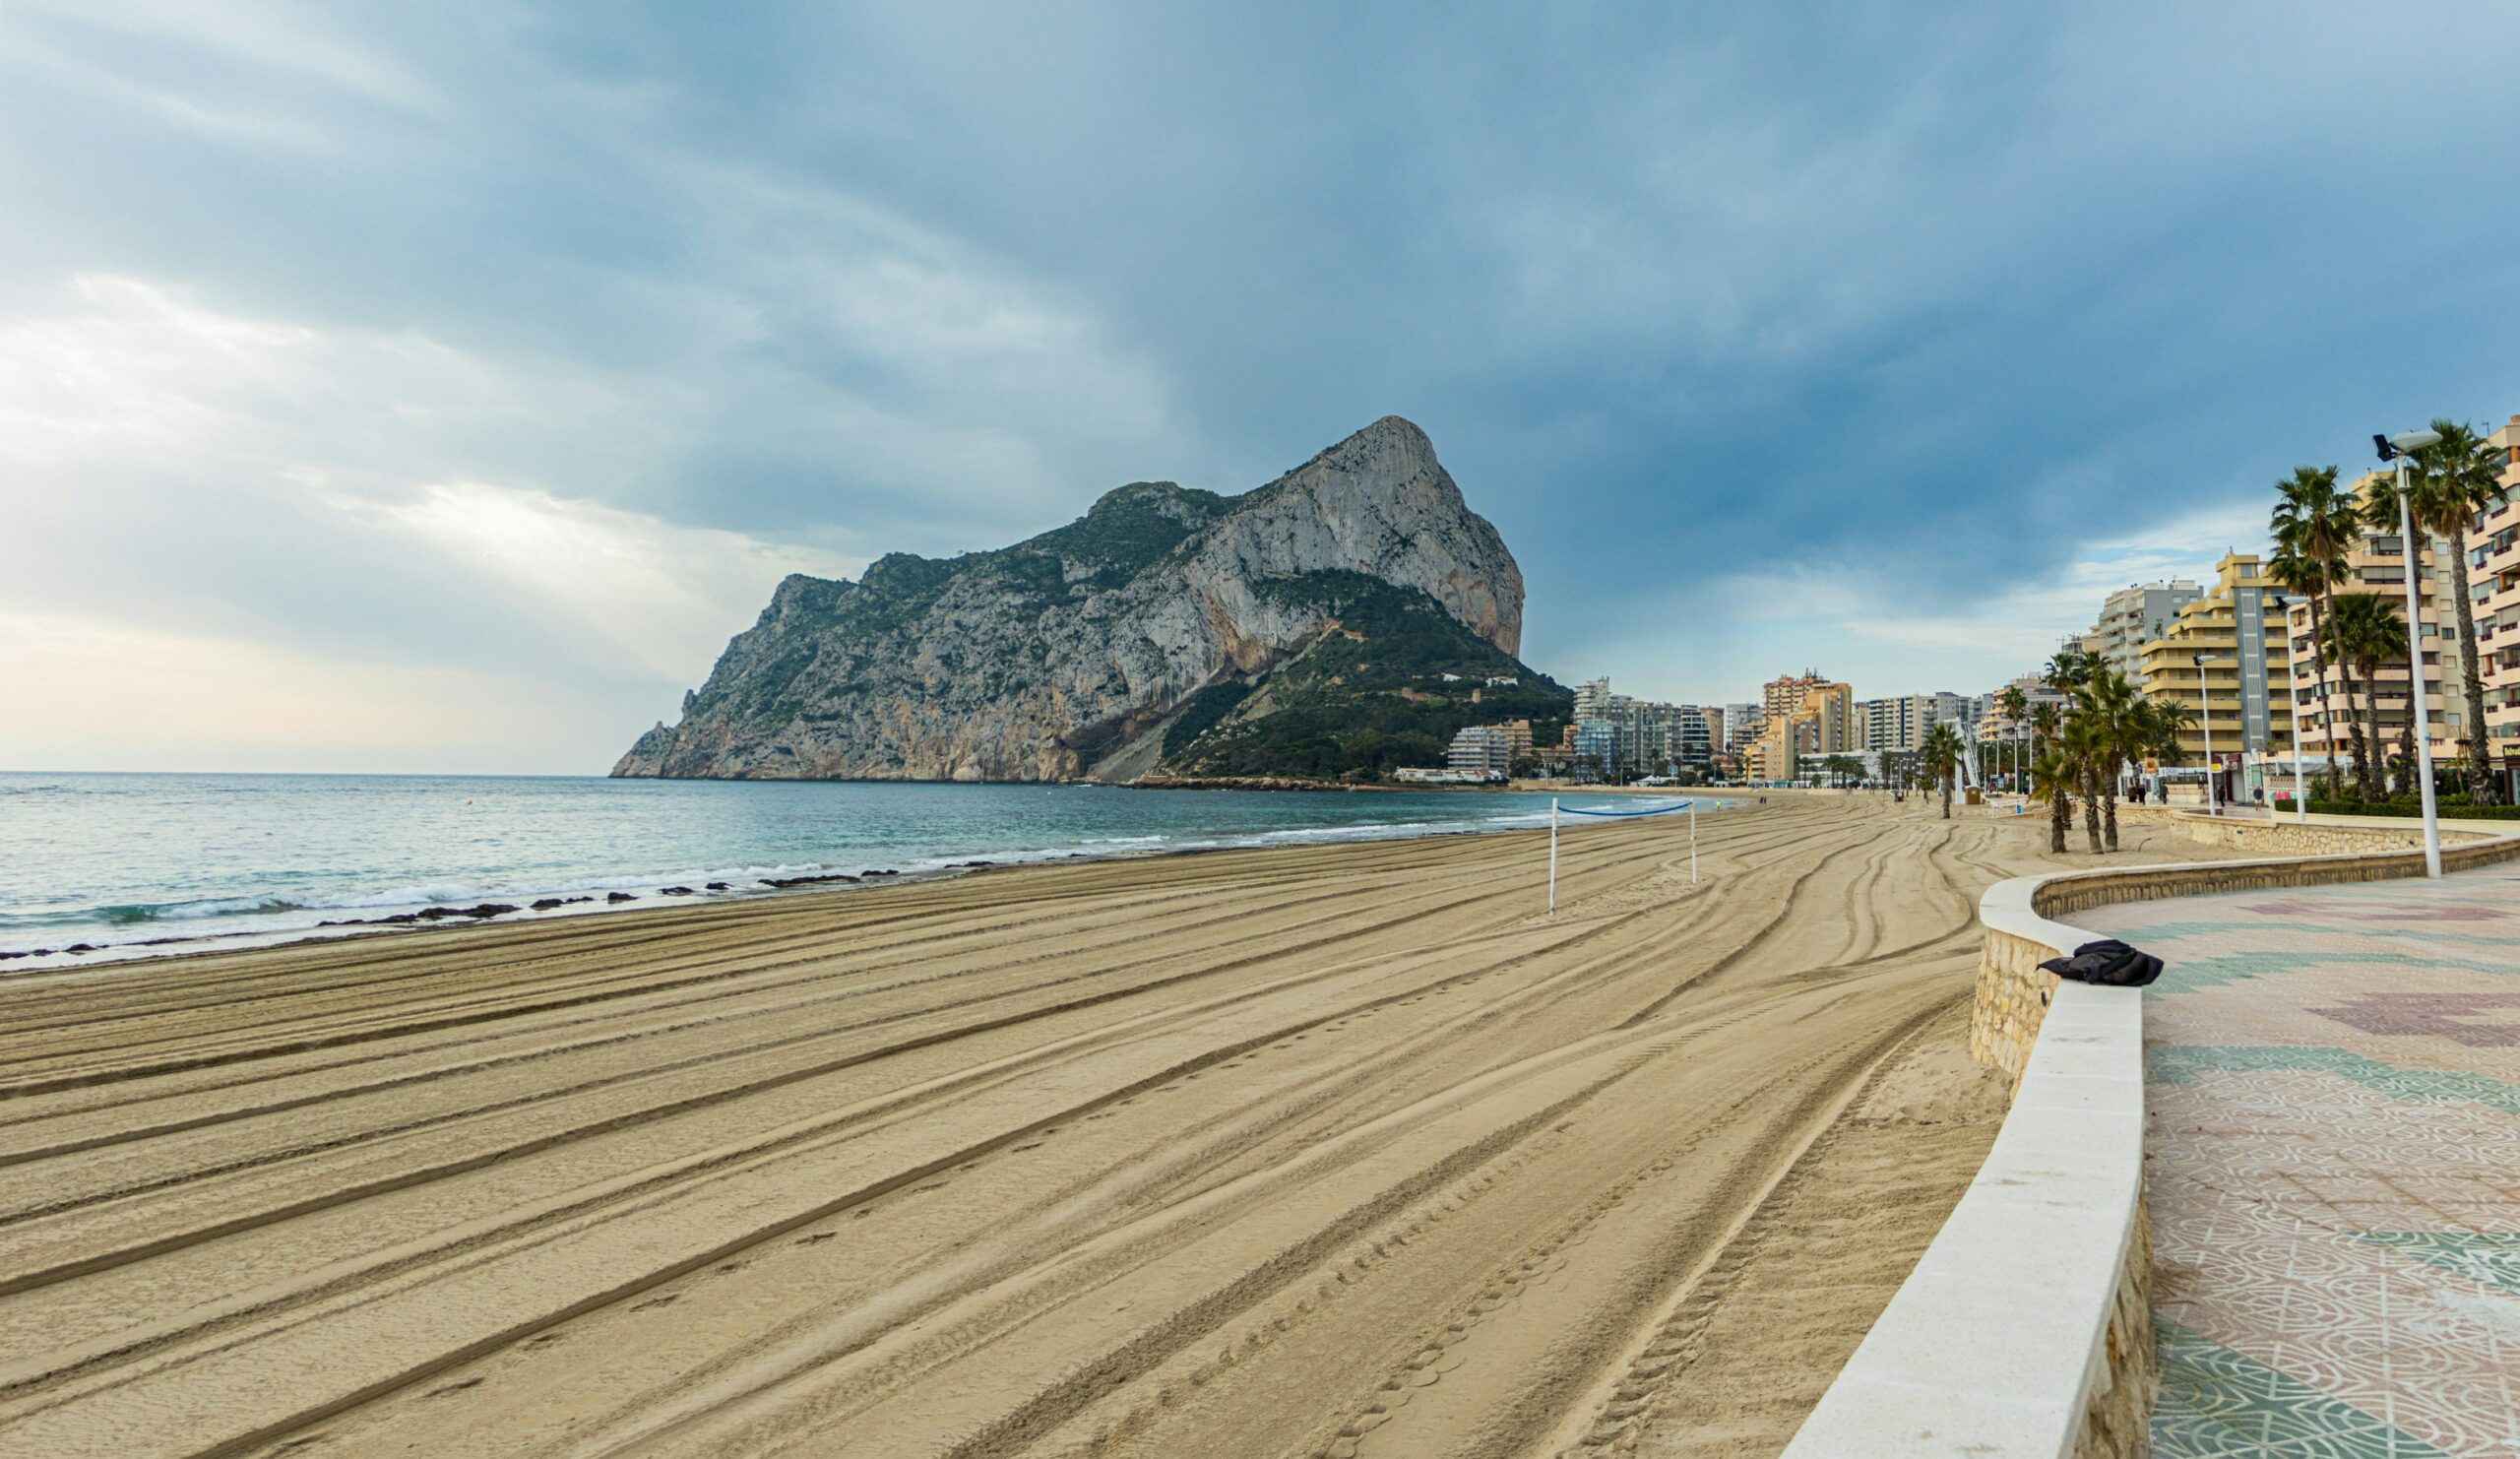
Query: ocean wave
{"points": [[135, 914], [293, 901]]}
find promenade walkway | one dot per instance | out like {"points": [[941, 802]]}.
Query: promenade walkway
{"points": [[2334, 1167]]}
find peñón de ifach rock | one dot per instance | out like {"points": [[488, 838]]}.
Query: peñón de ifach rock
{"points": [[1074, 653]]}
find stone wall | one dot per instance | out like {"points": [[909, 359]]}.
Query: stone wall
{"points": [[2117, 1417], [2013, 992], [2060, 895], [2286, 838]]}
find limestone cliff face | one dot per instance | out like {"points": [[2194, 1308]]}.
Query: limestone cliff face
{"points": [[1037, 661]]}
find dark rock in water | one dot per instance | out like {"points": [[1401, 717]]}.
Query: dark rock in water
{"points": [[400, 918], [622, 896], [489, 909], [545, 904], [40, 952], [883, 874], [784, 882], [720, 886], [673, 890], [81, 947], [6, 956], [975, 865]]}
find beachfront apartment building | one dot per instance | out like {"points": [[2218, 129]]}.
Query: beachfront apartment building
{"points": [[2242, 692], [1896, 722], [1830, 709], [1994, 724], [1742, 723], [2493, 573], [1701, 735], [1483, 749], [1782, 695], [2133, 617], [1900, 722], [1630, 735], [2377, 564], [1777, 754]]}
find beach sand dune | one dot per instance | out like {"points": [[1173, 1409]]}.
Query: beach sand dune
{"points": [[1341, 1149]]}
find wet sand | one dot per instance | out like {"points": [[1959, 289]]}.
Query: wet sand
{"points": [[1337, 1149]]}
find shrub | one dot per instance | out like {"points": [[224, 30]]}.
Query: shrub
{"points": [[2409, 807]]}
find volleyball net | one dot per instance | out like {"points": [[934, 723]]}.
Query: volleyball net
{"points": [[1676, 807]]}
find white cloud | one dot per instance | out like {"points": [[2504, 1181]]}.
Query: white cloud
{"points": [[664, 595], [90, 694], [290, 492]]}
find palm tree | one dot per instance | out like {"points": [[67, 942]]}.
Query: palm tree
{"points": [[1941, 754], [2380, 514], [2318, 524], [2084, 744], [2364, 629], [2014, 703], [2070, 667], [2052, 778], [2044, 728], [2455, 478], [2122, 729], [2167, 720], [2097, 730]]}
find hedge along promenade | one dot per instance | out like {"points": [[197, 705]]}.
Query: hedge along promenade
{"points": [[2449, 810], [2026, 1328]]}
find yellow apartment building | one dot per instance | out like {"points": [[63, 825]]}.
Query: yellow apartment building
{"points": [[2244, 689], [1830, 708]]}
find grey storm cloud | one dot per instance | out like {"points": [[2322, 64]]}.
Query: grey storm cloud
{"points": [[521, 348]]}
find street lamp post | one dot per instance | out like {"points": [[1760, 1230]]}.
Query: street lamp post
{"points": [[2397, 449], [2205, 708]]}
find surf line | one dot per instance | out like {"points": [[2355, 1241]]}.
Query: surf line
{"points": [[1689, 806]]}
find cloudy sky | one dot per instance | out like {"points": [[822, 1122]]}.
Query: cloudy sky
{"points": [[437, 387]]}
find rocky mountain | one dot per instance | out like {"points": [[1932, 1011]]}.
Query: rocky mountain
{"points": [[1303, 628]]}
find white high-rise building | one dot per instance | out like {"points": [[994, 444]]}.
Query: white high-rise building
{"points": [[1743, 723], [2133, 617]]}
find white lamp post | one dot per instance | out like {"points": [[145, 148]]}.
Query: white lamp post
{"points": [[2205, 706], [2398, 448]]}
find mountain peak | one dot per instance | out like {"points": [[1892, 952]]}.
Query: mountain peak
{"points": [[1043, 659]]}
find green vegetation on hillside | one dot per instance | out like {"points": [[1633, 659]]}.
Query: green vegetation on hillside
{"points": [[1366, 699]]}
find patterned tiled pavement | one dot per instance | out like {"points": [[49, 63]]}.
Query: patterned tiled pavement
{"points": [[2334, 1167]]}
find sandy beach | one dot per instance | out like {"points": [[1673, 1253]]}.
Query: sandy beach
{"points": [[1331, 1149]]}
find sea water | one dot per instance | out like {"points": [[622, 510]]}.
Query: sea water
{"points": [[154, 864]]}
